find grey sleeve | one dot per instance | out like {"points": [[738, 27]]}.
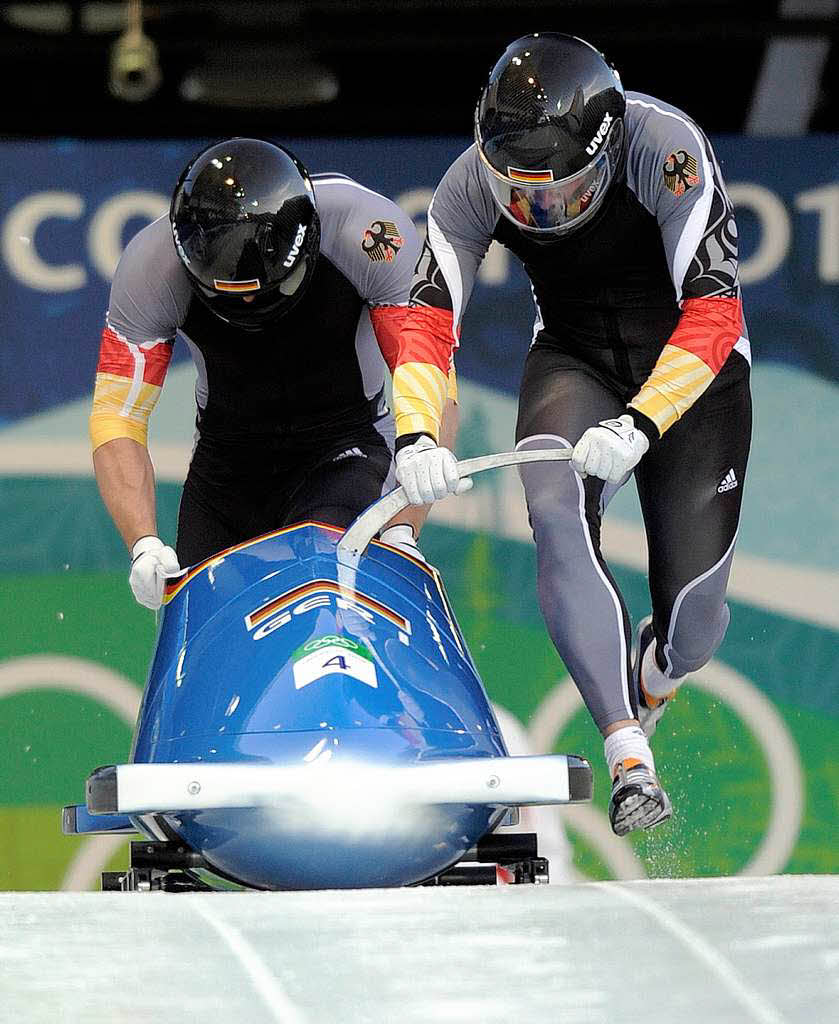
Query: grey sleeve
{"points": [[461, 219], [369, 238], [672, 169], [150, 292]]}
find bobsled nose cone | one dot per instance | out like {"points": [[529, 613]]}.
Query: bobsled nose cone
{"points": [[286, 848]]}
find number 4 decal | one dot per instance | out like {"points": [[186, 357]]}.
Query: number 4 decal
{"points": [[334, 660], [338, 660]]}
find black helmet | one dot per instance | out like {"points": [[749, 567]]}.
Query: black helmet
{"points": [[549, 130], [244, 221]]}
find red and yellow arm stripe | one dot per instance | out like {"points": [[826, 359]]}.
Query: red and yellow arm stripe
{"points": [[128, 382], [417, 343], [694, 354]]}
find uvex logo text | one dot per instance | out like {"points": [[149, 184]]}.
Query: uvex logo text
{"points": [[295, 249], [601, 134]]}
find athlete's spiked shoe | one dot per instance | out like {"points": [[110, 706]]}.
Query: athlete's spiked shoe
{"points": [[638, 801], [650, 708]]}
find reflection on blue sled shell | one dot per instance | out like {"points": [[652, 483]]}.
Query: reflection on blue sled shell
{"points": [[264, 656]]}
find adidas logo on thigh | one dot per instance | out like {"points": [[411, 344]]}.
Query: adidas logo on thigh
{"points": [[729, 483]]}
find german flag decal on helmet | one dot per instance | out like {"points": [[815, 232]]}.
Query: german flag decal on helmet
{"points": [[530, 177], [237, 286]]}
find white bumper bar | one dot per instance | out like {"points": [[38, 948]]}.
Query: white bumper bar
{"points": [[503, 781]]}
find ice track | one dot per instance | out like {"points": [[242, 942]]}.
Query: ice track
{"points": [[738, 950]]}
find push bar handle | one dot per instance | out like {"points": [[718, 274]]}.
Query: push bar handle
{"points": [[365, 527]]}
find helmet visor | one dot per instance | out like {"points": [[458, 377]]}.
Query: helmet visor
{"points": [[561, 206], [255, 310]]}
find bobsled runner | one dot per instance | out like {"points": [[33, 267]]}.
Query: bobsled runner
{"points": [[313, 719]]}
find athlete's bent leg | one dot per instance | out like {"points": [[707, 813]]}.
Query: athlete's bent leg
{"points": [[690, 485]]}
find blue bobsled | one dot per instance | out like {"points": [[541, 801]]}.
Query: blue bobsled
{"points": [[313, 719]]}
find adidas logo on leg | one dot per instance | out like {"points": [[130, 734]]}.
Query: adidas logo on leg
{"points": [[729, 483], [350, 453]]}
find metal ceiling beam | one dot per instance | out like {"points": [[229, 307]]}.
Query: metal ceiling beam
{"points": [[788, 86]]}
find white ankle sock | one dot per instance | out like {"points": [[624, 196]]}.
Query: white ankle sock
{"points": [[656, 683], [628, 742]]}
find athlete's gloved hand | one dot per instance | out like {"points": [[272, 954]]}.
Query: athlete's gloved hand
{"points": [[402, 536], [151, 562], [428, 472], [610, 450]]}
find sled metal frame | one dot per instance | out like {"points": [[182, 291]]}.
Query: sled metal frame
{"points": [[510, 859]]}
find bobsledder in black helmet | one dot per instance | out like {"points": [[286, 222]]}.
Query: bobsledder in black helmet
{"points": [[245, 225], [549, 130]]}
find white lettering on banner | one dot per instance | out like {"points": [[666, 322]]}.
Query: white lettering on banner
{"points": [[775, 231], [33, 266], [17, 242], [37, 270], [104, 236], [825, 202]]}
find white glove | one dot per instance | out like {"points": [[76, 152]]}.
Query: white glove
{"points": [[610, 450], [402, 536], [152, 562], [428, 472]]}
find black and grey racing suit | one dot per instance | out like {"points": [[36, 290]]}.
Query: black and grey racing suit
{"points": [[639, 312], [292, 421]]}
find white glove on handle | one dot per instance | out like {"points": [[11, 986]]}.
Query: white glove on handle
{"points": [[401, 536], [610, 450], [428, 472], [152, 562]]}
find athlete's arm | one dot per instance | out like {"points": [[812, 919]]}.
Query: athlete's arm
{"points": [[687, 195], [416, 515], [418, 341], [134, 355], [128, 382], [125, 477]]}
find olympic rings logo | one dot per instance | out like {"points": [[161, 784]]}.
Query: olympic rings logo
{"points": [[117, 693]]}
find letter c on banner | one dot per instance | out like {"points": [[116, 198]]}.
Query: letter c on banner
{"points": [[18, 242], [775, 230], [104, 236]]}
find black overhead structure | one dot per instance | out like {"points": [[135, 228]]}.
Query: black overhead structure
{"points": [[362, 67]]}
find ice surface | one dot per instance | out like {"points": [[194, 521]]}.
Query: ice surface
{"points": [[723, 950]]}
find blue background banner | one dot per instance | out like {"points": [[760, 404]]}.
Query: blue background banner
{"points": [[69, 207]]}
